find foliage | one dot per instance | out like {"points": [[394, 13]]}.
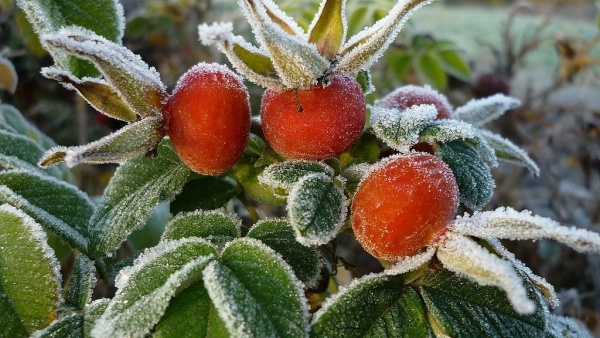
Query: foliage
{"points": [[229, 262]]}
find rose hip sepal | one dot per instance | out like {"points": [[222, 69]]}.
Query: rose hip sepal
{"points": [[403, 205], [207, 118], [315, 123]]}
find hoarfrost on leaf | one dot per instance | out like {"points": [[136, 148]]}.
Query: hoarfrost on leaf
{"points": [[507, 151], [411, 263], [328, 28], [447, 130], [481, 111], [216, 226], [400, 130], [285, 175], [464, 256], [507, 223], [364, 48]]}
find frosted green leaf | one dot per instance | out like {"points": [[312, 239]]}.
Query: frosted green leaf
{"points": [[364, 48], [216, 226], [373, 306], [256, 293], [316, 208], [564, 327], [475, 182], [97, 92], [31, 281], [136, 187], [69, 326], [11, 117], [400, 130], [206, 193], [138, 84], [252, 62], [507, 151], [467, 258], [8, 76], [279, 236], [463, 308], [191, 314], [19, 146], [57, 206], [82, 280], [281, 19], [105, 17], [284, 175], [297, 62], [247, 173], [92, 313], [447, 130], [507, 223], [146, 288], [126, 143], [328, 29], [480, 111]]}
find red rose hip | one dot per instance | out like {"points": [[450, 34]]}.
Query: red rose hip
{"points": [[407, 96], [403, 205], [315, 123], [207, 118]]}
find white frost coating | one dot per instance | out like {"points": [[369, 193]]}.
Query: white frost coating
{"points": [[464, 256], [364, 48], [547, 288], [320, 13], [515, 154], [449, 130], [151, 254], [227, 308], [411, 263], [215, 33], [235, 220], [481, 111], [38, 236], [274, 174], [486, 152], [309, 208], [298, 63], [507, 223], [285, 19], [121, 319], [133, 140], [400, 130], [355, 173]]}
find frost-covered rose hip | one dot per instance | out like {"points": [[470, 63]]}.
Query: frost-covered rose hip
{"points": [[408, 96], [404, 205], [207, 118], [315, 123]]}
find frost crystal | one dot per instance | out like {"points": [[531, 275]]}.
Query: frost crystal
{"points": [[480, 111], [215, 33], [400, 130], [411, 263], [507, 223], [509, 152], [464, 256]]}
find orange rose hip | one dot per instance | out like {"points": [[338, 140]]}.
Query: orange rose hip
{"points": [[403, 205], [207, 118]]}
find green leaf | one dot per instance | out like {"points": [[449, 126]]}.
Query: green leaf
{"points": [[31, 280], [507, 151], [374, 306], [97, 92], [400, 63], [366, 149], [279, 236], [137, 84], [475, 182], [19, 146], [93, 312], [564, 327], [57, 206], [317, 209], [135, 139], [462, 307], [400, 130], [247, 173], [69, 326], [453, 64], [205, 193], [8, 76], [328, 29], [78, 290], [284, 175], [365, 81], [214, 226], [430, 70], [105, 17], [136, 187], [256, 293], [146, 288], [191, 314], [481, 111]]}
